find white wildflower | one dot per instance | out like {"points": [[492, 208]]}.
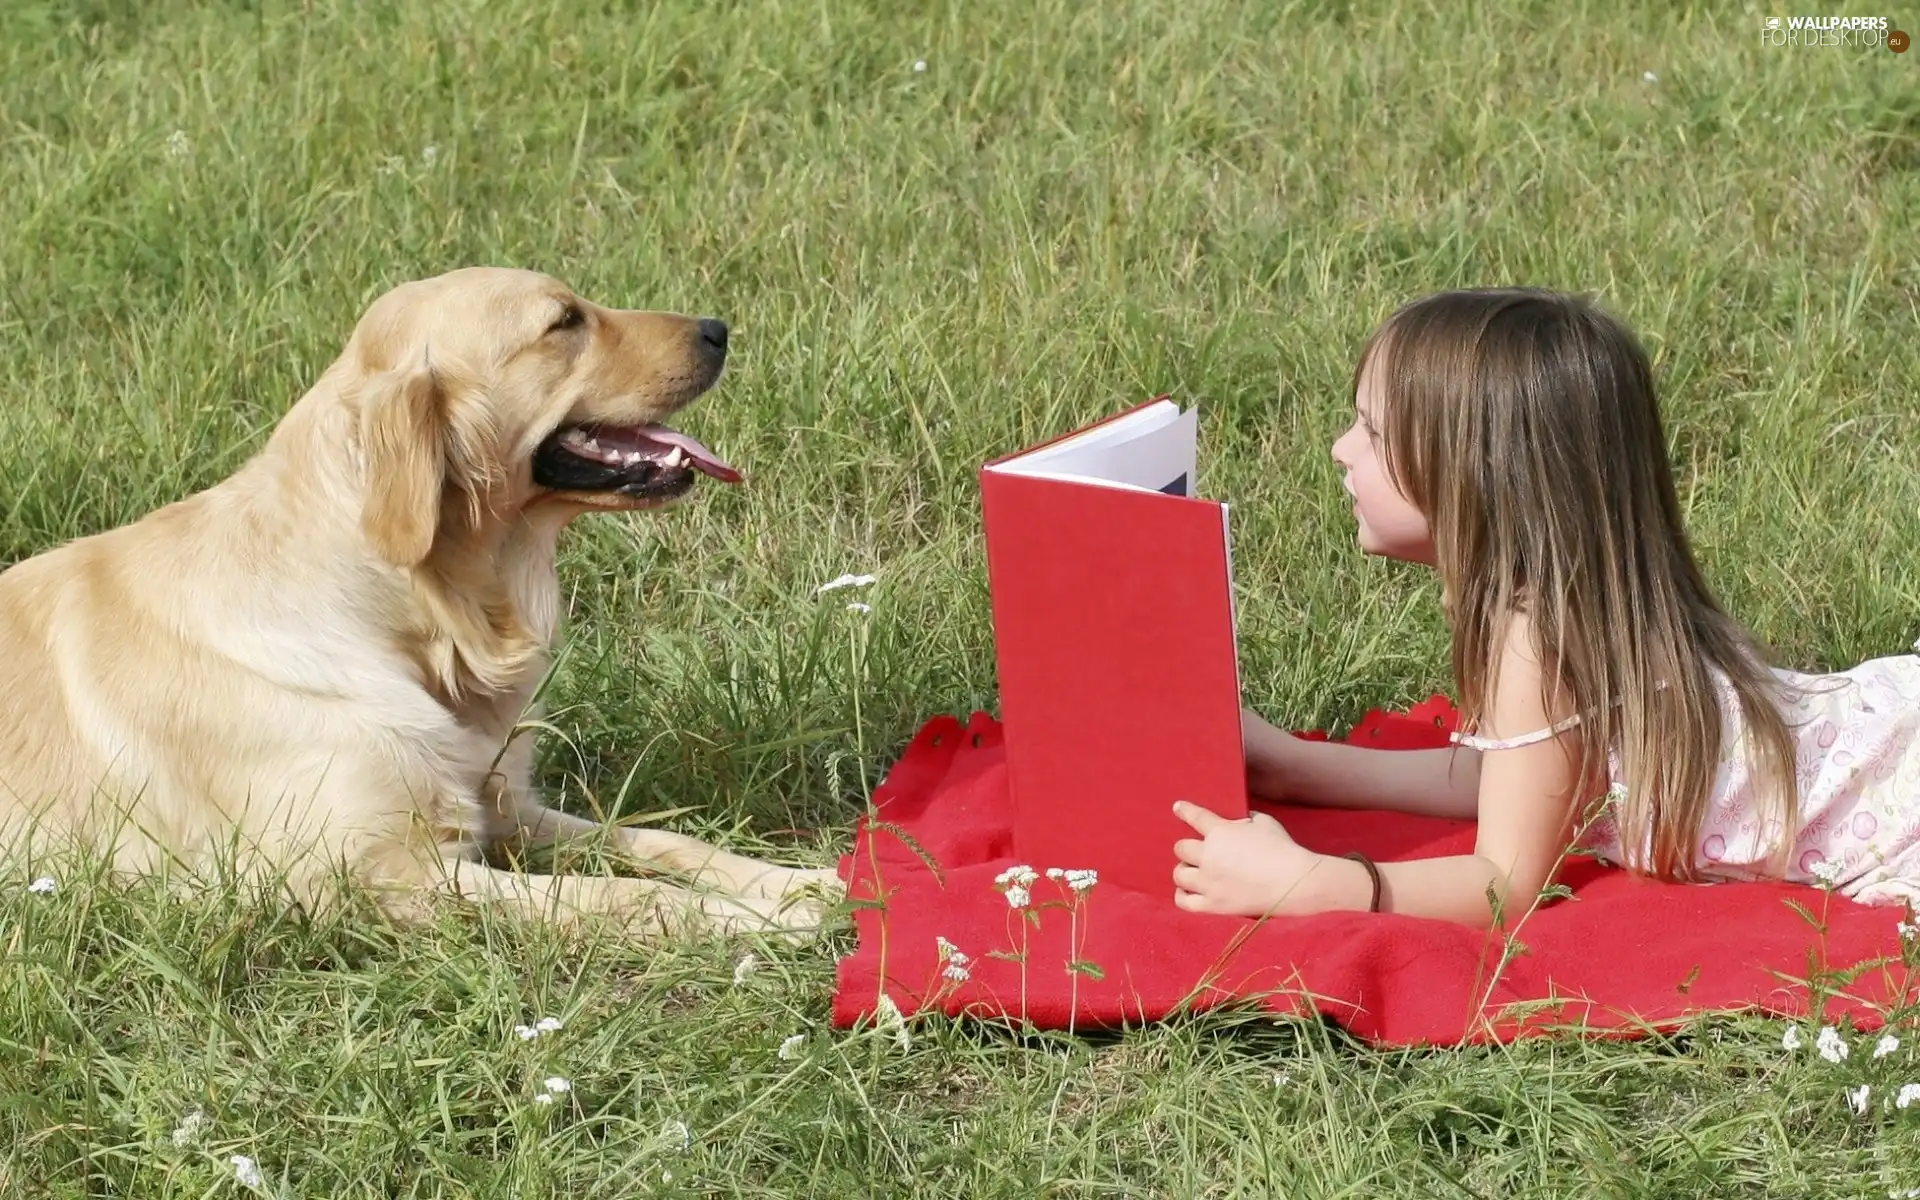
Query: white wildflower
{"points": [[1056, 874], [1909, 1092], [859, 608], [845, 581], [1790, 1040], [1830, 1045], [744, 968], [429, 154], [177, 144], [1017, 897], [1826, 871], [958, 966], [543, 1098], [559, 1084], [190, 1128], [790, 1048], [1019, 876], [1649, 77], [1886, 1045], [544, 1025], [1081, 881], [46, 885], [919, 64], [1280, 1079], [1857, 1098], [247, 1172], [1908, 930], [892, 1018]]}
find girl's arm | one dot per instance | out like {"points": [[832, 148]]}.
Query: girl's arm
{"points": [[1443, 782], [1524, 800], [1522, 796]]}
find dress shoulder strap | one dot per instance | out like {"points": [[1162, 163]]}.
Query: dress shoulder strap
{"points": [[1475, 742]]}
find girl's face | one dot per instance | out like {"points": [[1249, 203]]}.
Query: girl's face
{"points": [[1389, 523]]}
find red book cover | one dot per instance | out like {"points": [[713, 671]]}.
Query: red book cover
{"points": [[1114, 634]]}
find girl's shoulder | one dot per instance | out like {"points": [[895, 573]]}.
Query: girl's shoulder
{"points": [[1515, 695]]}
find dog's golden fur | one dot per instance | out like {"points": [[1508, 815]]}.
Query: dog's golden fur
{"points": [[319, 660]]}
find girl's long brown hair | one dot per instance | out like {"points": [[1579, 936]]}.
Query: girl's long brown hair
{"points": [[1523, 423]]}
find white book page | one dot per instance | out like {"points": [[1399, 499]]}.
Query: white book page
{"points": [[1157, 453], [1141, 420], [1233, 601]]}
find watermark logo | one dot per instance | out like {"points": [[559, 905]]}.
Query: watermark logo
{"points": [[1858, 33]]}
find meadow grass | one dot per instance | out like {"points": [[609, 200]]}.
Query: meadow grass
{"points": [[1068, 208]]}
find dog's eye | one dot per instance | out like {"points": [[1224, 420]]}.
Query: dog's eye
{"points": [[571, 317]]}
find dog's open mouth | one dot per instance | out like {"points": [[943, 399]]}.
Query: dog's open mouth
{"points": [[646, 462]]}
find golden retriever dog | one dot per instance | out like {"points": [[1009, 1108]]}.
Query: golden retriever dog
{"points": [[322, 663]]}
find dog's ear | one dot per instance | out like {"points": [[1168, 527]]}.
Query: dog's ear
{"points": [[403, 435]]}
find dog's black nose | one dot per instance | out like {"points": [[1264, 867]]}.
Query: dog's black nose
{"points": [[713, 333]]}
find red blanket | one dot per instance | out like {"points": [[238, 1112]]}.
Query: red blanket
{"points": [[1622, 956]]}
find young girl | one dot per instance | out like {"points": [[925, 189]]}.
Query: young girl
{"points": [[1511, 439]]}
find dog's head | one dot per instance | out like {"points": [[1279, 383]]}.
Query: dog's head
{"points": [[490, 393]]}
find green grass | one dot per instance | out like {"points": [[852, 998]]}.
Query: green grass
{"points": [[1072, 207]]}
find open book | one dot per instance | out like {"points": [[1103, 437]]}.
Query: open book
{"points": [[1113, 623]]}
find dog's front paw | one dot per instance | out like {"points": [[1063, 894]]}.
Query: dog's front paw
{"points": [[794, 918], [789, 883]]}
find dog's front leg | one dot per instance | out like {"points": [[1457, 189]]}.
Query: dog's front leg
{"points": [[707, 865], [652, 907]]}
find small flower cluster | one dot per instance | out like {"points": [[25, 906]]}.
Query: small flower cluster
{"points": [[893, 1020], [1829, 1043], [956, 966], [844, 581], [45, 885], [543, 1026], [246, 1172], [191, 1126], [848, 581], [1016, 884], [743, 969], [1857, 1098], [552, 1086], [1833, 1047], [1078, 880]]}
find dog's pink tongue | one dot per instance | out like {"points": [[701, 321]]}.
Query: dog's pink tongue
{"points": [[703, 458]]}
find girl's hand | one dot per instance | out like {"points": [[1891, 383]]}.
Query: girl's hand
{"points": [[1247, 868]]}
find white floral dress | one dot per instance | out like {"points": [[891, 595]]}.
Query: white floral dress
{"points": [[1858, 767]]}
